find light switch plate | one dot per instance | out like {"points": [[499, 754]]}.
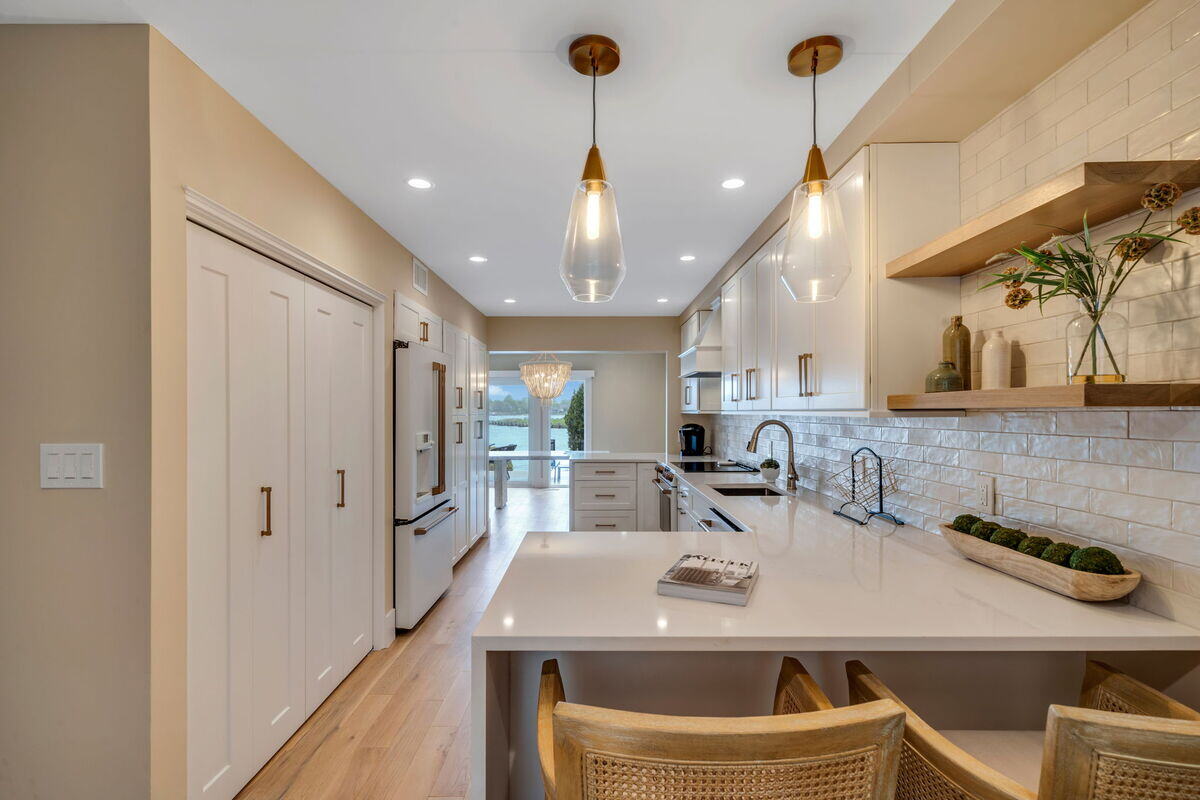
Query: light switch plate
{"points": [[985, 493], [72, 466]]}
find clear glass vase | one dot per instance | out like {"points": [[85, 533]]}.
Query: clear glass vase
{"points": [[1097, 345]]}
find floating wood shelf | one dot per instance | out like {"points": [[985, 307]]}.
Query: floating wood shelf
{"points": [[1079, 396], [1104, 190]]}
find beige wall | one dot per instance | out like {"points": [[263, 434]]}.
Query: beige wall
{"points": [[202, 138], [629, 400], [535, 334], [75, 355]]}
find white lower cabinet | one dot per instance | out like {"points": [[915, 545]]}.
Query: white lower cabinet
{"points": [[617, 495], [279, 505]]}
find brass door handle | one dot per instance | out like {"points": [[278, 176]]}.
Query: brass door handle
{"points": [[749, 385], [479, 400], [478, 429], [687, 394], [458, 426], [604, 495], [708, 523], [606, 472], [422, 531], [267, 491], [606, 524], [734, 381], [424, 331], [806, 375], [439, 370], [458, 397], [342, 498]]}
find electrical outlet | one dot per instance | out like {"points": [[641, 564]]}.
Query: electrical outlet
{"points": [[985, 493]]}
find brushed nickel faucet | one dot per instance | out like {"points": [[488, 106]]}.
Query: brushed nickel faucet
{"points": [[752, 446]]}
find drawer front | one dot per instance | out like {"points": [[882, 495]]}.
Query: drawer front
{"points": [[618, 521], [605, 495], [599, 470]]}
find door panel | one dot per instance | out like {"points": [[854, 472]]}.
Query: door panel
{"points": [[273, 403], [730, 365], [758, 382], [221, 520], [793, 343], [352, 448], [747, 281]]}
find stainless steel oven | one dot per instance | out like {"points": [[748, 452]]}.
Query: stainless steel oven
{"points": [[667, 486]]}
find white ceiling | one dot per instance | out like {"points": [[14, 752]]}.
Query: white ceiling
{"points": [[476, 96]]}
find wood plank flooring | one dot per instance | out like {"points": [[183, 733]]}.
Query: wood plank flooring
{"points": [[399, 725]]}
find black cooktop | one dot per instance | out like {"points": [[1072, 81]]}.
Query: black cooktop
{"points": [[712, 466]]}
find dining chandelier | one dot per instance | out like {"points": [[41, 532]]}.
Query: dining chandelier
{"points": [[545, 377]]}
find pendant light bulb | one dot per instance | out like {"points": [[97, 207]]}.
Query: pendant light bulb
{"points": [[593, 256], [816, 253]]}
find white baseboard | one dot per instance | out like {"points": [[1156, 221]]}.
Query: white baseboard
{"points": [[389, 625]]}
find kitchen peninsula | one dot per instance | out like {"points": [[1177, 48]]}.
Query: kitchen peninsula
{"points": [[938, 626]]}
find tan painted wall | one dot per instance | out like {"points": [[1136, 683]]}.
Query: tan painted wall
{"points": [[594, 334], [629, 400], [202, 138], [75, 356]]}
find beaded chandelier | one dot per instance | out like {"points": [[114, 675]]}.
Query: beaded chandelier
{"points": [[545, 377]]}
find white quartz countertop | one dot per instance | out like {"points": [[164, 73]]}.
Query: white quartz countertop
{"points": [[825, 585], [577, 455]]}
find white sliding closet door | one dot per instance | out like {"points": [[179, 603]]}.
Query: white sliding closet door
{"points": [[245, 574], [338, 489]]}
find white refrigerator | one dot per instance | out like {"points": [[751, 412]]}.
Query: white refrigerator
{"points": [[424, 532]]}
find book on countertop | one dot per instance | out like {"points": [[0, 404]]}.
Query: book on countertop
{"points": [[716, 580]]}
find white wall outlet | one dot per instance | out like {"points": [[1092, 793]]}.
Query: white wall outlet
{"points": [[985, 493], [72, 466]]}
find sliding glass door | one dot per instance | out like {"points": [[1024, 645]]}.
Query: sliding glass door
{"points": [[519, 422]]}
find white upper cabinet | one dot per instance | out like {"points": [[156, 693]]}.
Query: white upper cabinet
{"points": [[878, 336], [415, 323], [731, 376]]}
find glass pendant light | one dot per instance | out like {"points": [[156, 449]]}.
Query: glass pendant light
{"points": [[593, 259], [816, 253], [545, 377]]}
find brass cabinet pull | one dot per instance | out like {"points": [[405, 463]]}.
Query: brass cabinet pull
{"points": [[267, 491], [749, 386], [606, 472], [708, 523], [606, 524], [478, 429], [342, 500], [687, 394], [424, 331], [662, 487], [422, 531], [479, 399], [605, 495], [458, 397], [806, 375], [734, 380], [440, 370], [458, 426]]}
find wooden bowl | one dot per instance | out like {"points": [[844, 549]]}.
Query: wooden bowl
{"points": [[1089, 586]]}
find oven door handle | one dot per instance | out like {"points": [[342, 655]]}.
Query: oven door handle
{"points": [[662, 487]]}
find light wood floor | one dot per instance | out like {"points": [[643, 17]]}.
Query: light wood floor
{"points": [[398, 726]]}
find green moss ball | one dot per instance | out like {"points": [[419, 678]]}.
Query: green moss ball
{"points": [[1096, 559], [1058, 553], [984, 529], [1034, 546], [963, 522], [1008, 537]]}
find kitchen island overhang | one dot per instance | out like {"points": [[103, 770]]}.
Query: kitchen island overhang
{"points": [[938, 626]]}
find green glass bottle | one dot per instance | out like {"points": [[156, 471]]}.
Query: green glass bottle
{"points": [[944, 379], [956, 348]]}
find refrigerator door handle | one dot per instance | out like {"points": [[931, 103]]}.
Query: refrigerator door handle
{"points": [[440, 394]]}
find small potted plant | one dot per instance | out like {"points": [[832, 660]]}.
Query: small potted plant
{"points": [[770, 469]]}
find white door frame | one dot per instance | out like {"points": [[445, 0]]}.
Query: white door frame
{"points": [[219, 219]]}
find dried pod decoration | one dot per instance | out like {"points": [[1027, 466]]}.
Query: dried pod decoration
{"points": [[1161, 196], [1189, 221], [1016, 282], [1133, 248], [1016, 299]]}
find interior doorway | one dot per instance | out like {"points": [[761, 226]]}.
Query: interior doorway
{"points": [[519, 422]]}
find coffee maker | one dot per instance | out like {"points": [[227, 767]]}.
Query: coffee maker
{"points": [[691, 440]]}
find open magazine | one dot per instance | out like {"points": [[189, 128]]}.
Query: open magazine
{"points": [[716, 580]]}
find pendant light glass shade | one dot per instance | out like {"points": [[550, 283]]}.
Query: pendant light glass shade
{"points": [[593, 258], [816, 253], [545, 377]]}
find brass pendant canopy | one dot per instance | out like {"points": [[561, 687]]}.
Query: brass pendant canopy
{"points": [[814, 168], [818, 54], [597, 49], [593, 168]]}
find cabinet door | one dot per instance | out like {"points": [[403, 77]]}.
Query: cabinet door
{"points": [[431, 331], [839, 363], [689, 332], [730, 364], [479, 441], [352, 455], [458, 382], [270, 402], [793, 343], [690, 388], [406, 319], [758, 372], [747, 281]]}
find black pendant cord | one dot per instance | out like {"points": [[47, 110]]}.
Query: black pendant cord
{"points": [[814, 97], [593, 102]]}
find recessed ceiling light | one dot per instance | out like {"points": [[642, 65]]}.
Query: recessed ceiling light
{"points": [[509, 300], [662, 299], [420, 183], [478, 259], [687, 258], [730, 183]]}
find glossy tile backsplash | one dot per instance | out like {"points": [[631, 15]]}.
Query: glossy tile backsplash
{"points": [[1125, 480]]}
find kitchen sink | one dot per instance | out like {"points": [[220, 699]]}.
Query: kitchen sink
{"points": [[747, 490]]}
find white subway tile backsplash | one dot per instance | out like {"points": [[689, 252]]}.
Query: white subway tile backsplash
{"points": [[1131, 507], [1074, 448], [1165, 543], [1042, 469], [1131, 452], [1187, 457], [1096, 476], [1015, 443], [1163, 483], [1092, 526]]}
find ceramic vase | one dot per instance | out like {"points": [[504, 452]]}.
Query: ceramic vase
{"points": [[956, 348], [996, 358], [944, 379]]}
